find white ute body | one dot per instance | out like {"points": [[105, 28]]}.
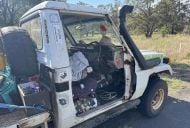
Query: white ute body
{"points": [[54, 54]]}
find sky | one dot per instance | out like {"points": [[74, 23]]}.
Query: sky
{"points": [[99, 2], [92, 2]]}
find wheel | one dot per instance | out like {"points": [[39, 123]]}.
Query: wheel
{"points": [[20, 51], [154, 98]]}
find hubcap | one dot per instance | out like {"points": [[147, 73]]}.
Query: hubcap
{"points": [[158, 99]]}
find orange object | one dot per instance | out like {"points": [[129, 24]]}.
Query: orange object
{"points": [[2, 61]]}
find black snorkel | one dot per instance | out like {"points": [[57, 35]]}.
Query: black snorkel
{"points": [[126, 9]]}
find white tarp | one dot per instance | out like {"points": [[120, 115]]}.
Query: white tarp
{"points": [[78, 64]]}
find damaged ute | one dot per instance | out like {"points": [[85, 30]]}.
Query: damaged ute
{"points": [[78, 69]]}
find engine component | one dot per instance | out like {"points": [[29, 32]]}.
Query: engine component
{"points": [[84, 95], [85, 104], [83, 88], [102, 83], [105, 96]]}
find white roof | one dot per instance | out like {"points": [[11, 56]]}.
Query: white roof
{"points": [[64, 6]]}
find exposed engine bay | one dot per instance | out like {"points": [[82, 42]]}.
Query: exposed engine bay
{"points": [[97, 62], [98, 75]]}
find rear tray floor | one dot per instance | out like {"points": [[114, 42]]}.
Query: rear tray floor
{"points": [[11, 118]]}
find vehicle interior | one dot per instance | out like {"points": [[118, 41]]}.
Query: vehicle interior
{"points": [[96, 58]]}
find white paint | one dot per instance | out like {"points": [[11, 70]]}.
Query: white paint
{"points": [[143, 77], [65, 6], [55, 55], [127, 68]]}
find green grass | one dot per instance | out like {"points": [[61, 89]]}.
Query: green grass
{"points": [[174, 84], [177, 47]]}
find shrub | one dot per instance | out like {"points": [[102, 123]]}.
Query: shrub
{"points": [[164, 31]]}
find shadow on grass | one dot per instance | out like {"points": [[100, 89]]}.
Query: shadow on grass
{"points": [[176, 114], [181, 71]]}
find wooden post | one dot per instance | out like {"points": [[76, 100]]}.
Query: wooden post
{"points": [[180, 46]]}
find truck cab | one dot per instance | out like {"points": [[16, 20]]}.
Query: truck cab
{"points": [[93, 66]]}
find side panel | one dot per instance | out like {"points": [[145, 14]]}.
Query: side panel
{"points": [[54, 53], [66, 112], [143, 78], [36, 120]]}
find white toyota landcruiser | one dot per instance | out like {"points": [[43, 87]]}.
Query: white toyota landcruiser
{"points": [[91, 69]]}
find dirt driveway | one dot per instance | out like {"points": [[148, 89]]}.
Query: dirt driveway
{"points": [[176, 113]]}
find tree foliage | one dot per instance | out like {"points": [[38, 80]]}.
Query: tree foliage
{"points": [[11, 10], [172, 14], [146, 17], [150, 16]]}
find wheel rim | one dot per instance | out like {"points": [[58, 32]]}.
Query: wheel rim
{"points": [[158, 99]]}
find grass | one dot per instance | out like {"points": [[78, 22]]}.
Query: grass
{"points": [[176, 47], [175, 85]]}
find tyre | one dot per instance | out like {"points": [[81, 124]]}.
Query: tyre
{"points": [[20, 51], [154, 98]]}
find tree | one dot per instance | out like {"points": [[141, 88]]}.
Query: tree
{"points": [[172, 14], [11, 10], [112, 8], [145, 16], [150, 16], [187, 24], [83, 3]]}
